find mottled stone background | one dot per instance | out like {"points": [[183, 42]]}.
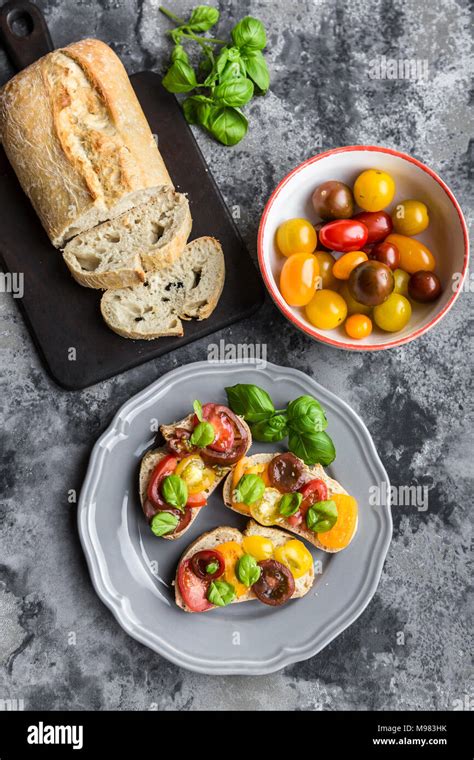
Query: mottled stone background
{"points": [[414, 400]]}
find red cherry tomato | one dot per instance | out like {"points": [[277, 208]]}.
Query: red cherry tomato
{"points": [[193, 589], [344, 235], [379, 224], [165, 467], [222, 425], [314, 491], [386, 253], [196, 500]]}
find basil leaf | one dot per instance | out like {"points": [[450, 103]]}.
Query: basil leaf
{"points": [[248, 571], [180, 77], [220, 593], [197, 406], [312, 448], [163, 523], [212, 567], [174, 491], [196, 109], [322, 516], [249, 32], [270, 430], [250, 489], [306, 415], [233, 70], [203, 18], [179, 54], [234, 92], [226, 124], [234, 54], [250, 401], [257, 69], [290, 503], [202, 435]]}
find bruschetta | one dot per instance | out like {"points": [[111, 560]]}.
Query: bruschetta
{"points": [[280, 489], [226, 566], [177, 478]]}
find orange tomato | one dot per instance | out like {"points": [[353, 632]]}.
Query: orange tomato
{"points": [[341, 533], [358, 326], [299, 278], [232, 552], [243, 467], [344, 266], [413, 254]]}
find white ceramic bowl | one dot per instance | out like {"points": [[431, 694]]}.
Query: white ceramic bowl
{"points": [[446, 235]]}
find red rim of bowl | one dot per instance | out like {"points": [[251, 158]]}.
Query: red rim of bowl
{"points": [[313, 332]]}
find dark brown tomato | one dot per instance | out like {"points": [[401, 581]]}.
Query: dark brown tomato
{"points": [[286, 473], [184, 518], [333, 200], [204, 559], [276, 584], [386, 253], [179, 444], [371, 283], [424, 286], [378, 223]]}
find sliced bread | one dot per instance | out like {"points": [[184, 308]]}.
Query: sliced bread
{"points": [[189, 288], [117, 253]]}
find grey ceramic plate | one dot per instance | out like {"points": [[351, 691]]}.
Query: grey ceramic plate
{"points": [[132, 570]]}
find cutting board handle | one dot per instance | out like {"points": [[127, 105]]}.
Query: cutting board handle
{"points": [[24, 32]]}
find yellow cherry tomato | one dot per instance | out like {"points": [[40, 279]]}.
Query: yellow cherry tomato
{"points": [[374, 190], [299, 278], [344, 266], [326, 310], [195, 474], [326, 262], [342, 532], [243, 467], [232, 552], [258, 546], [410, 217], [267, 510], [401, 280], [358, 326], [413, 254], [393, 314], [295, 556], [353, 306], [296, 236]]}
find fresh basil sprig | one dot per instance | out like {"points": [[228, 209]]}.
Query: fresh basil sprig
{"points": [[223, 83], [203, 434], [321, 516], [250, 489], [248, 571], [303, 421], [163, 523], [220, 593], [174, 491], [290, 503]]}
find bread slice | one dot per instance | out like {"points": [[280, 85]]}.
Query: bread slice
{"points": [[188, 288], [220, 535], [316, 471], [116, 254]]}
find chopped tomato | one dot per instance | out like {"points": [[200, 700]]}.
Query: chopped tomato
{"points": [[193, 589], [165, 467], [196, 500], [312, 492], [245, 468], [232, 552], [341, 533], [222, 425]]}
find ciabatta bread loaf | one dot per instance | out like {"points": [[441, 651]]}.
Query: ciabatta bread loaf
{"points": [[77, 138]]}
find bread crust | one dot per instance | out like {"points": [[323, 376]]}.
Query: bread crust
{"points": [[317, 471], [76, 136]]}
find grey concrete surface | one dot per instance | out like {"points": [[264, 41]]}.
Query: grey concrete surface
{"points": [[60, 648]]}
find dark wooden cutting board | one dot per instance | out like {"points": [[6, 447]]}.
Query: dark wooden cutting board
{"points": [[62, 315]]}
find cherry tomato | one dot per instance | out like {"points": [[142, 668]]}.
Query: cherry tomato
{"points": [[386, 253], [326, 310], [296, 236], [353, 306], [193, 589], [295, 556], [394, 314], [222, 424], [424, 286], [195, 474], [344, 235], [258, 546], [410, 217], [299, 278], [344, 266], [414, 256], [374, 190], [204, 562], [371, 283], [286, 472], [232, 552], [333, 200], [340, 535], [313, 491], [326, 262], [378, 223], [358, 326], [165, 467], [401, 282], [227, 449], [267, 510], [318, 227], [276, 584]]}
